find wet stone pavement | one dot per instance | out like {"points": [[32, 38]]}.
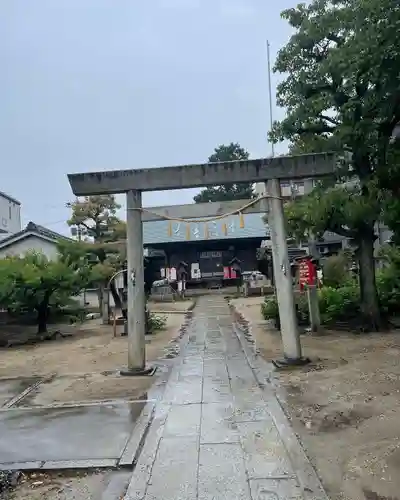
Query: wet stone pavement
{"points": [[82, 436], [218, 432]]}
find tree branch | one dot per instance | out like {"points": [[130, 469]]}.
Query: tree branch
{"points": [[335, 38], [329, 119], [342, 231], [317, 129]]}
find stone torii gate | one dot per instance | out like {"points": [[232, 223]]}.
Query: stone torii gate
{"points": [[266, 170]]}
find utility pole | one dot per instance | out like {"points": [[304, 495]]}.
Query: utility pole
{"points": [[270, 96]]}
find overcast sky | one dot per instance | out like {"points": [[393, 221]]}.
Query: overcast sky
{"points": [[92, 85]]}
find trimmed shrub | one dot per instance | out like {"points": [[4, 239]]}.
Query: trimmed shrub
{"points": [[269, 308], [388, 280], [336, 304], [156, 322], [388, 284]]}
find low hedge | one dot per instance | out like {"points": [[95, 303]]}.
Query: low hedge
{"points": [[343, 303], [335, 304]]}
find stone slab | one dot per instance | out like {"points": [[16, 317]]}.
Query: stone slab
{"points": [[217, 424], [10, 388], [117, 485], [36, 464], [222, 474], [184, 392], [68, 434], [80, 464], [216, 391], [134, 444], [267, 489], [142, 472], [183, 421], [174, 475], [247, 410], [264, 452]]}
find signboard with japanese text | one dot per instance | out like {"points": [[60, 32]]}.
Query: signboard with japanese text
{"points": [[307, 273]]}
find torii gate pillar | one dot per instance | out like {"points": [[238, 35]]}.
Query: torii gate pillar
{"points": [[136, 296]]}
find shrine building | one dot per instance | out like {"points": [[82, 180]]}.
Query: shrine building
{"points": [[207, 248]]}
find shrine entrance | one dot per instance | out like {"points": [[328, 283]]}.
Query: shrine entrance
{"points": [[269, 171]]}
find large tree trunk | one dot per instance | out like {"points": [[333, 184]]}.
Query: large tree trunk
{"points": [[368, 292], [100, 294], [42, 317], [103, 303], [115, 295]]}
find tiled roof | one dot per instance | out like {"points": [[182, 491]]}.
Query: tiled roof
{"points": [[32, 228], [44, 231], [196, 210], [158, 231]]}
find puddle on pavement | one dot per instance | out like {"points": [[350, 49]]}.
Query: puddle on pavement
{"points": [[9, 388], [91, 432]]}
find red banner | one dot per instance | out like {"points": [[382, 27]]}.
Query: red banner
{"points": [[307, 273]]}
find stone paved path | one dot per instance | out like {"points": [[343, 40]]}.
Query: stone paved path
{"points": [[218, 433]]}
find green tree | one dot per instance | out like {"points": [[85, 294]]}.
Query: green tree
{"points": [[227, 192], [34, 283], [342, 91], [389, 181], [102, 235]]}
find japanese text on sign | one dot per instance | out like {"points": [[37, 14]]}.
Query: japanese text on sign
{"points": [[306, 273]]}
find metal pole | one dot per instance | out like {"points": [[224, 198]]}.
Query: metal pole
{"points": [[270, 96], [283, 276], [136, 296]]}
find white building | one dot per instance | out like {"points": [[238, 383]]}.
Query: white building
{"points": [[10, 215], [32, 238]]}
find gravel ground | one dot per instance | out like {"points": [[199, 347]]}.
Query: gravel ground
{"points": [[70, 485], [345, 406]]}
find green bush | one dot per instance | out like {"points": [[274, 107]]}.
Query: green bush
{"points": [[335, 304], [388, 280], [156, 322], [269, 308], [388, 285], [340, 301]]}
